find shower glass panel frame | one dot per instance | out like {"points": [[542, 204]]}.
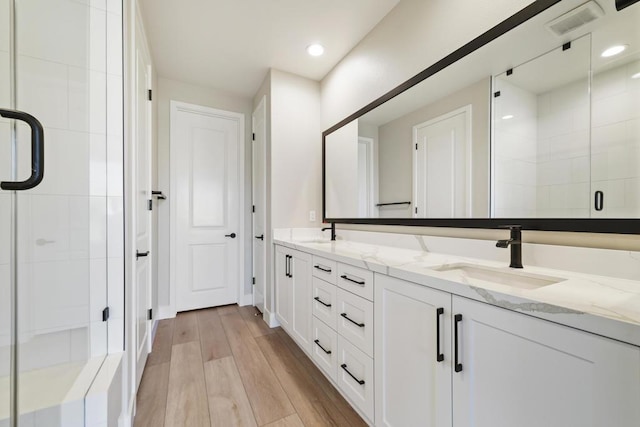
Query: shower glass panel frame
{"points": [[53, 237]]}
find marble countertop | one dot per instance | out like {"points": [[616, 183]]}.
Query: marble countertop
{"points": [[602, 305]]}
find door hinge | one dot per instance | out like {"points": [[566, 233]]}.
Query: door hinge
{"points": [[253, 281], [150, 95], [416, 210], [416, 146], [253, 208], [105, 314], [253, 136], [566, 46], [150, 314], [149, 205]]}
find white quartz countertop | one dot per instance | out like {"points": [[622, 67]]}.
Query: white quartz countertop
{"points": [[602, 305]]}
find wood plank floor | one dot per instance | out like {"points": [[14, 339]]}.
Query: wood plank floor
{"points": [[225, 367]]}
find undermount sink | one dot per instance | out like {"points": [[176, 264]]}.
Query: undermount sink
{"points": [[519, 280]]}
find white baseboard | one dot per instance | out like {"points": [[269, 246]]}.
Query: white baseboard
{"points": [[165, 312], [270, 318]]}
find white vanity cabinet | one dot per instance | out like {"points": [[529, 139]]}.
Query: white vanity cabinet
{"points": [[517, 370], [412, 354], [293, 294], [499, 368]]}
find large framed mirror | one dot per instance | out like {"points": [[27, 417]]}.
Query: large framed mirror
{"points": [[536, 122]]}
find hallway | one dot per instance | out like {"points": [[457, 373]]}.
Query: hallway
{"points": [[225, 367]]}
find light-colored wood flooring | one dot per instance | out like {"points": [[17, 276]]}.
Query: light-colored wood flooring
{"points": [[225, 367]]}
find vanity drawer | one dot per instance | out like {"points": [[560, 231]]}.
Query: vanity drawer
{"points": [[355, 320], [355, 376], [324, 302], [324, 269], [356, 280], [325, 348]]}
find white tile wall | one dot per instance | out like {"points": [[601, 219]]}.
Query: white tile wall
{"points": [[615, 164]]}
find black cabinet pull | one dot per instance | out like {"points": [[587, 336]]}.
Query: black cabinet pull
{"points": [[352, 321], [344, 276], [260, 237], [344, 366], [322, 302], [457, 319], [439, 355], [286, 266], [141, 254], [37, 151], [326, 270], [320, 345], [599, 200], [290, 271], [232, 235]]}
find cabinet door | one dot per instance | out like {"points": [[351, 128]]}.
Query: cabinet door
{"points": [[301, 297], [413, 388], [518, 370], [283, 288]]}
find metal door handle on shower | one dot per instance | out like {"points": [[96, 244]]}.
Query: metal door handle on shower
{"points": [[37, 151]]}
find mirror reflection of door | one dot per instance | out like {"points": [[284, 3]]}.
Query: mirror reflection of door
{"points": [[442, 166], [366, 196]]}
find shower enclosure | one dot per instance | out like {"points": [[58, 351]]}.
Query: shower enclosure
{"points": [[55, 66]]}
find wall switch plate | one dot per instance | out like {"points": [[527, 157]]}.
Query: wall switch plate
{"points": [[312, 216]]}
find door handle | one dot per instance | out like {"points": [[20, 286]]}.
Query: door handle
{"points": [[260, 237], [37, 151], [457, 365], [439, 355], [141, 254], [232, 235]]}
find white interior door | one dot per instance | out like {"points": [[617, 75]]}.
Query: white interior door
{"points": [[442, 166], [142, 212], [205, 205], [259, 204], [365, 177]]}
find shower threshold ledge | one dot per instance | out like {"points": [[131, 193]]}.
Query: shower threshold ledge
{"points": [[53, 393]]}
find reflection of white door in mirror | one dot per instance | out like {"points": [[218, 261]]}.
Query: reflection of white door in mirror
{"points": [[366, 208], [442, 166]]}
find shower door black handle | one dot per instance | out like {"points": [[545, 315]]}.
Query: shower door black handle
{"points": [[37, 151]]}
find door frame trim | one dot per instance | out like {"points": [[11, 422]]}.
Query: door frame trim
{"points": [[174, 108], [261, 105]]}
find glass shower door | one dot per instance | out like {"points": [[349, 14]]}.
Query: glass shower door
{"points": [[53, 246]]}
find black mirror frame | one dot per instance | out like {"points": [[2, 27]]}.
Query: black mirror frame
{"points": [[617, 226]]}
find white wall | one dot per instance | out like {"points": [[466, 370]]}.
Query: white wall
{"points": [[414, 35], [296, 150], [171, 90]]}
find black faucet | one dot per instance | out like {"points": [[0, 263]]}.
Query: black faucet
{"points": [[516, 245], [333, 230]]}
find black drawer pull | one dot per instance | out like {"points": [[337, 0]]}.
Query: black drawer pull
{"points": [[344, 276], [326, 270], [457, 319], [141, 254], [439, 355], [322, 302], [344, 366], [323, 349], [352, 321]]}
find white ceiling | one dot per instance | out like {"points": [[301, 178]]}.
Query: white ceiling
{"points": [[230, 44]]}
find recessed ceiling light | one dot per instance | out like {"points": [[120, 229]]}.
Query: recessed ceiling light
{"points": [[315, 49], [507, 117], [636, 76], [614, 50]]}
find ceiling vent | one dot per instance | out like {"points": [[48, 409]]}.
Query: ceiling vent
{"points": [[575, 18]]}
